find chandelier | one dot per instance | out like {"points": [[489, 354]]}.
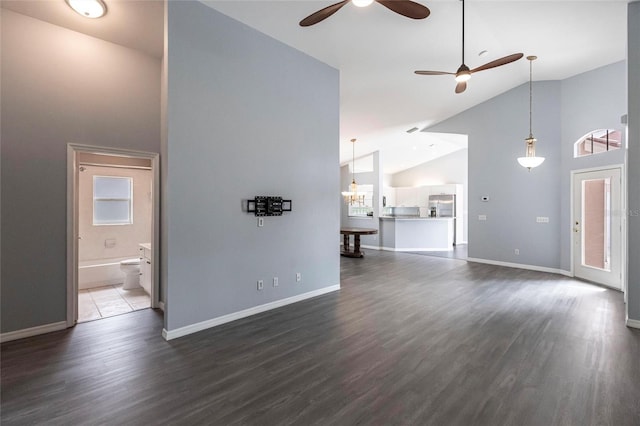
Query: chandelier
{"points": [[352, 196]]}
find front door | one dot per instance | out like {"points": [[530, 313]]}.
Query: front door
{"points": [[597, 227]]}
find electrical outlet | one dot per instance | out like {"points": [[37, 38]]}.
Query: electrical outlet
{"points": [[542, 219], [275, 281], [517, 252], [298, 277], [261, 222], [260, 284], [482, 217]]}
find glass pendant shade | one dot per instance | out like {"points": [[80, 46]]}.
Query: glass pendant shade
{"points": [[530, 160]]}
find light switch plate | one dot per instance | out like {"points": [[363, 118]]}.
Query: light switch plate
{"points": [[482, 217]]}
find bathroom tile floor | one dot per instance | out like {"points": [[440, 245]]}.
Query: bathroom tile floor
{"points": [[103, 302]]}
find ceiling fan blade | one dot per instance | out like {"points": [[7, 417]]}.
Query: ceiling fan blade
{"points": [[322, 14], [461, 87], [407, 8], [434, 73], [498, 62]]}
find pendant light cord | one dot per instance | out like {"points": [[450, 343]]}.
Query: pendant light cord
{"points": [[353, 160], [530, 95]]}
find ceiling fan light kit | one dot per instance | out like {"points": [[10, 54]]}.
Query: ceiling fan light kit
{"points": [[407, 8], [361, 3], [530, 160], [464, 73]]}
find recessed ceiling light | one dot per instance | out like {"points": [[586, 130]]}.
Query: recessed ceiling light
{"points": [[88, 8], [411, 130], [483, 52]]}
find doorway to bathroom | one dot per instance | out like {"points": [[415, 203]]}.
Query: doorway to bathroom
{"points": [[112, 230]]}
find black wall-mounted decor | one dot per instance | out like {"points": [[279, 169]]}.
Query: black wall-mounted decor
{"points": [[268, 206]]}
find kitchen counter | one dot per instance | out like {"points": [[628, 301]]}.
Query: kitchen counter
{"points": [[414, 218], [413, 233]]}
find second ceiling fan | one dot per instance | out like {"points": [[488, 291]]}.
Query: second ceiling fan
{"points": [[463, 74], [407, 8]]}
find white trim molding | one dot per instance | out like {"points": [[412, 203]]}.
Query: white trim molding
{"points": [[416, 249], [73, 149], [214, 322], [520, 266], [33, 331], [633, 323]]}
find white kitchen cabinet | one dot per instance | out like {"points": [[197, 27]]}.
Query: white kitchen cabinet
{"points": [[406, 197]]}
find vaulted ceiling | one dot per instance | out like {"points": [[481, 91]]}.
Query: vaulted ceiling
{"points": [[377, 52]]}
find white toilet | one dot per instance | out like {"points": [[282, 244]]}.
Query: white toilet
{"points": [[131, 269]]}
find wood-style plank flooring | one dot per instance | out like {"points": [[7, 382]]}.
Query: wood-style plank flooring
{"points": [[409, 340]]}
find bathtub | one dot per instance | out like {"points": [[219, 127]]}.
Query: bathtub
{"points": [[101, 272]]}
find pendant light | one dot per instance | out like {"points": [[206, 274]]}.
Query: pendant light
{"points": [[530, 160], [352, 196]]}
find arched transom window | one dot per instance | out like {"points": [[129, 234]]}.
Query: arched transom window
{"points": [[598, 141]]}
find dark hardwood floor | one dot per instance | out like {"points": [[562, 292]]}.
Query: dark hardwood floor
{"points": [[409, 340]]}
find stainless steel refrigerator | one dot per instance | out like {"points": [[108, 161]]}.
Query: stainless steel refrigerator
{"points": [[444, 205]]}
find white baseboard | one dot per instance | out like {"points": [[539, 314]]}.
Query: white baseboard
{"points": [[519, 266], [371, 247], [194, 328], [416, 249], [633, 323], [33, 331]]}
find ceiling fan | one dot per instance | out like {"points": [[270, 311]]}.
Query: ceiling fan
{"points": [[407, 8], [463, 74]]}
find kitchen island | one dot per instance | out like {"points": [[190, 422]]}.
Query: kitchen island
{"points": [[416, 233]]}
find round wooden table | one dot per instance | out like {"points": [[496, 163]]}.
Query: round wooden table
{"points": [[356, 232]]}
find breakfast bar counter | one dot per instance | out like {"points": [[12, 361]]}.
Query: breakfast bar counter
{"points": [[416, 233]]}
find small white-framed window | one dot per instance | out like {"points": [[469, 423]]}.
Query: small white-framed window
{"points": [[598, 141], [112, 200]]}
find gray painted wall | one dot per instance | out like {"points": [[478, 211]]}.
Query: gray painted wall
{"points": [[497, 129], [593, 100], [633, 61], [59, 87], [563, 111], [246, 116]]}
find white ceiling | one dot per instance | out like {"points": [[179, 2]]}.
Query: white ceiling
{"points": [[377, 50]]}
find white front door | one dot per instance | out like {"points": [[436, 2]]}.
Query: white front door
{"points": [[597, 227]]}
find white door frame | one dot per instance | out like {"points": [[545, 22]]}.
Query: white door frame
{"points": [[72, 221], [623, 219]]}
